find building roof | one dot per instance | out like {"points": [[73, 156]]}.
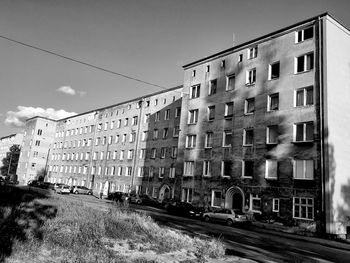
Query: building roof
{"points": [[124, 102], [240, 46]]}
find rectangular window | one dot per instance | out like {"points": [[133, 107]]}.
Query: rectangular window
{"points": [[272, 102], [272, 134], [275, 205], [144, 136], [249, 106], [305, 34], [153, 153], [177, 112], [193, 74], [110, 139], [211, 113], [195, 92], [240, 57], [193, 116], [251, 77], [191, 141], [253, 52], [119, 123], [247, 168], [304, 97], [157, 117], [206, 168], [187, 194], [134, 120], [167, 114], [304, 132], [147, 116], [255, 203], [155, 192], [128, 171], [207, 69], [101, 155], [155, 134], [212, 87], [132, 137], [304, 63], [172, 171], [174, 152], [226, 168], [114, 155], [165, 133], [216, 197], [117, 138], [229, 109], [303, 208], [176, 131], [208, 140], [188, 168], [227, 139], [140, 172], [274, 71], [303, 169], [142, 153], [248, 137], [40, 131], [162, 152], [121, 156], [126, 121], [120, 171], [161, 172], [124, 138], [271, 169], [130, 154], [230, 82]]}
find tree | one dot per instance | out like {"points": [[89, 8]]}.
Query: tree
{"points": [[41, 175], [10, 162]]}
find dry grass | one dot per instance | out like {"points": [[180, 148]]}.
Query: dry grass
{"points": [[83, 234]]}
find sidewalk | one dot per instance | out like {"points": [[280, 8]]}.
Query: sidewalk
{"points": [[284, 231]]}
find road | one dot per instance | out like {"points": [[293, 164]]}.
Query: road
{"points": [[251, 243]]}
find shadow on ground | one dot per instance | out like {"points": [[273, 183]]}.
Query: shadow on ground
{"points": [[21, 216]]}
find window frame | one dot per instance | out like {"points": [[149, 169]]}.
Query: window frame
{"points": [[245, 137], [188, 169], [275, 203], [270, 97], [244, 163], [306, 205], [252, 52], [195, 113], [305, 91], [304, 167], [302, 35], [246, 106], [195, 91], [250, 77], [271, 77], [267, 174], [304, 131], [305, 63], [206, 168]]}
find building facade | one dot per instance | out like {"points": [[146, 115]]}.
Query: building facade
{"points": [[7, 141], [37, 142], [131, 146], [259, 127]]}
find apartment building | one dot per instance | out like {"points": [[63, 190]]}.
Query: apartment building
{"points": [[7, 141], [259, 127], [130, 146], [37, 141], [263, 127]]}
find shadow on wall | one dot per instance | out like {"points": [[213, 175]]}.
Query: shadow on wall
{"points": [[21, 217]]}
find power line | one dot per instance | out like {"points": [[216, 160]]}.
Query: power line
{"points": [[82, 62]]}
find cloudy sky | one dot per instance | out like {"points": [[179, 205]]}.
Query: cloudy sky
{"points": [[146, 39]]}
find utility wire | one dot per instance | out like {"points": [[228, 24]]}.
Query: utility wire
{"points": [[83, 63]]}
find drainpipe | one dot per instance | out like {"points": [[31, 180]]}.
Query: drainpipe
{"points": [[136, 144], [322, 139]]}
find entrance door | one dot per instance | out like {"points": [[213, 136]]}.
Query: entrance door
{"points": [[237, 201]]}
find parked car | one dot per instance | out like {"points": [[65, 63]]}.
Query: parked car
{"points": [[57, 187], [183, 209], [65, 189], [47, 185], [118, 196], [144, 200], [228, 216], [82, 190]]}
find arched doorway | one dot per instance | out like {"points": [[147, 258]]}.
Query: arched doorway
{"points": [[234, 198], [164, 193]]}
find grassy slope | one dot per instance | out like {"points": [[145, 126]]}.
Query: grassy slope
{"points": [[66, 231]]}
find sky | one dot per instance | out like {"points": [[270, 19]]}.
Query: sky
{"points": [[146, 39]]}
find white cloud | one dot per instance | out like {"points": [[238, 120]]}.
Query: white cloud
{"points": [[67, 90], [18, 118], [70, 91]]}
